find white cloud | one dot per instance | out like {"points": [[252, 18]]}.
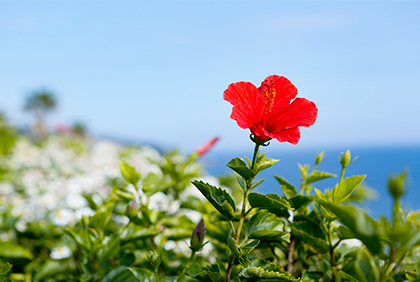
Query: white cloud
{"points": [[301, 22]]}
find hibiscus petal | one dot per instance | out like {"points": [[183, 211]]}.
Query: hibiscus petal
{"points": [[279, 90], [248, 104], [244, 93], [291, 135], [301, 112], [242, 115], [259, 132]]}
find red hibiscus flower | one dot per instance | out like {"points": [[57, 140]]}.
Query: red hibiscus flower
{"points": [[268, 111]]}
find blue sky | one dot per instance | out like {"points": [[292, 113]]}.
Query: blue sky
{"points": [[156, 70]]}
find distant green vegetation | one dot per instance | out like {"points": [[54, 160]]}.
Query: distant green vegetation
{"points": [[7, 136]]}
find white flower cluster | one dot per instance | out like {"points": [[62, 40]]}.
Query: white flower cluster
{"points": [[47, 183], [50, 180]]}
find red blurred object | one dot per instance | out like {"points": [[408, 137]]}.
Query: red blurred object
{"points": [[62, 128], [206, 147]]}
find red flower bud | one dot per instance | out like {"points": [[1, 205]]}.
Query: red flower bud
{"points": [[132, 209], [197, 237], [206, 147]]}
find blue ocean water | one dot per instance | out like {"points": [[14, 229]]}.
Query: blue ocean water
{"points": [[376, 163]]}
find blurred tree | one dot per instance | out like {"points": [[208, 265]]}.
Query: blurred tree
{"points": [[79, 129], [40, 103]]}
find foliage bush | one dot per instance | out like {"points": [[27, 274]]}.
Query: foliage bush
{"points": [[73, 209]]}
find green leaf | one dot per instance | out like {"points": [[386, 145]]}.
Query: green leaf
{"points": [[270, 201], [127, 259], [134, 233], [218, 197], [127, 196], [177, 234], [412, 275], [299, 201], [264, 163], [143, 275], [154, 183], [309, 227], [100, 219], [345, 188], [48, 269], [80, 237], [12, 250], [344, 233], [408, 239], [242, 183], [365, 228], [320, 195], [311, 234], [318, 175], [129, 173], [109, 249], [347, 276], [365, 267], [303, 170], [121, 274], [257, 183], [288, 189], [266, 226], [249, 245], [239, 166], [261, 270], [4, 270], [207, 274]]}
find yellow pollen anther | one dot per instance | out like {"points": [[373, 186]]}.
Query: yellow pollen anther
{"points": [[269, 98]]}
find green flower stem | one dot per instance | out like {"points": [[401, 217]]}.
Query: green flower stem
{"points": [[243, 213], [190, 260], [342, 175], [254, 158], [332, 248], [246, 193], [302, 184], [238, 232], [386, 270]]}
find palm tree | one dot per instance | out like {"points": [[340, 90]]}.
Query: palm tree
{"points": [[79, 129], [40, 103]]}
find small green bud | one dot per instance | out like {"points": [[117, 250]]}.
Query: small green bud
{"points": [[318, 158], [197, 237], [132, 209], [304, 170], [396, 185], [345, 159]]}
